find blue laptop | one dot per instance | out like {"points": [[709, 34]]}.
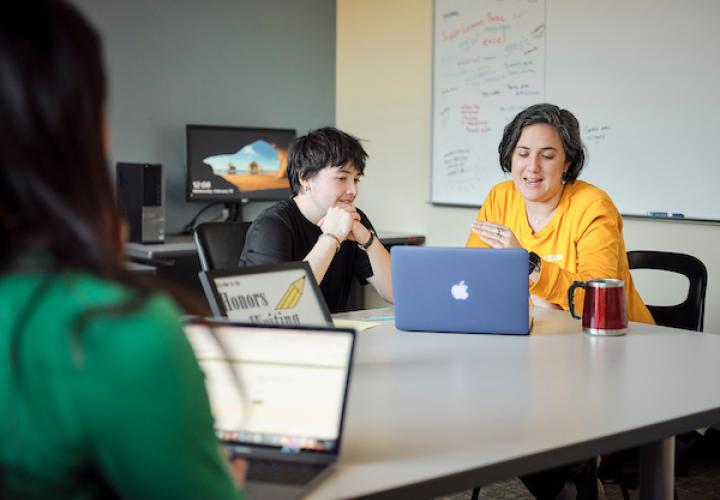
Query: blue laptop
{"points": [[461, 290]]}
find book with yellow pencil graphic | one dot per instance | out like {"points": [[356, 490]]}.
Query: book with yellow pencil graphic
{"points": [[292, 295]]}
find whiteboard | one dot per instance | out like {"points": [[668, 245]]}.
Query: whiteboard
{"points": [[642, 77]]}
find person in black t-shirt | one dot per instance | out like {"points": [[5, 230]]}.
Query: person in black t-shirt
{"points": [[320, 224]]}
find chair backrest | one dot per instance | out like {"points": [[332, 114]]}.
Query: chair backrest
{"points": [[690, 313], [220, 244]]}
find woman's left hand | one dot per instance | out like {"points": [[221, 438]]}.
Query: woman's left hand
{"points": [[495, 235]]}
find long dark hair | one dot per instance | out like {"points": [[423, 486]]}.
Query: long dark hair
{"points": [[55, 189], [56, 195]]}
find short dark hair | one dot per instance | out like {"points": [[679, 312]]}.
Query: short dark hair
{"points": [[324, 147], [564, 122]]}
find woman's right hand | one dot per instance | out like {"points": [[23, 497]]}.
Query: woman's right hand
{"points": [[338, 221], [238, 470], [495, 235]]}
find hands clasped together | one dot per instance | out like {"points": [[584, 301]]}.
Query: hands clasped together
{"points": [[343, 221]]}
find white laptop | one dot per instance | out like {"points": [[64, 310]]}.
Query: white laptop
{"points": [[278, 397], [461, 290], [280, 294]]}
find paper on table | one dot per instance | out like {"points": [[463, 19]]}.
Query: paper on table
{"points": [[353, 323]]}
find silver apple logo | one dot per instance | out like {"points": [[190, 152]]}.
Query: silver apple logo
{"points": [[460, 291]]}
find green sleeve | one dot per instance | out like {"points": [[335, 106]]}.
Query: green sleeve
{"points": [[146, 408]]}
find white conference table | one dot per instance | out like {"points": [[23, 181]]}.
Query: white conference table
{"points": [[431, 414]]}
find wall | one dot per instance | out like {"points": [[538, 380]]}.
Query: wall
{"points": [[220, 62], [383, 94]]}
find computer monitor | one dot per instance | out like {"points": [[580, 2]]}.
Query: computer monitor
{"points": [[235, 164]]}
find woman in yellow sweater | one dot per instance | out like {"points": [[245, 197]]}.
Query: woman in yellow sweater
{"points": [[571, 228]]}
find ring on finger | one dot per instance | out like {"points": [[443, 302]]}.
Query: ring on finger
{"points": [[498, 232]]}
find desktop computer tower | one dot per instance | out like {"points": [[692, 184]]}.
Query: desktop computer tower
{"points": [[140, 195]]}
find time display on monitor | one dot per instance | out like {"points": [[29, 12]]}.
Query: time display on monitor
{"points": [[231, 164]]}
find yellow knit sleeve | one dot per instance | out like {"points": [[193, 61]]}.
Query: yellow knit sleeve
{"points": [[599, 245]]}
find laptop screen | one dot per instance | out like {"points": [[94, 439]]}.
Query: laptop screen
{"points": [[280, 294], [278, 387]]}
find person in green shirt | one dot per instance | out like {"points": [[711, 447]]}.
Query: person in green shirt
{"points": [[100, 394]]}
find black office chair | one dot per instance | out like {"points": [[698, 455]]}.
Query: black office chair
{"points": [[220, 244], [690, 313], [622, 467]]}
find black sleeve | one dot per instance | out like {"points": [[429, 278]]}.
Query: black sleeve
{"points": [[268, 241], [363, 269]]}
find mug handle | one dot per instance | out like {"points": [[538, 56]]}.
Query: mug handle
{"points": [[571, 300]]}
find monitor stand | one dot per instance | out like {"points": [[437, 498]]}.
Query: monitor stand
{"points": [[234, 210]]}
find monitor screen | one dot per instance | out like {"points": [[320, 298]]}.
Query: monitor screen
{"points": [[231, 164]]}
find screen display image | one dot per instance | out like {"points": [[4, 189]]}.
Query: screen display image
{"points": [[280, 298], [283, 388], [231, 164]]}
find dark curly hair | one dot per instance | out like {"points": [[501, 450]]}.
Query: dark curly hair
{"points": [[564, 122]]}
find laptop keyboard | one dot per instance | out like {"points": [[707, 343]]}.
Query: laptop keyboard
{"points": [[273, 471]]}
